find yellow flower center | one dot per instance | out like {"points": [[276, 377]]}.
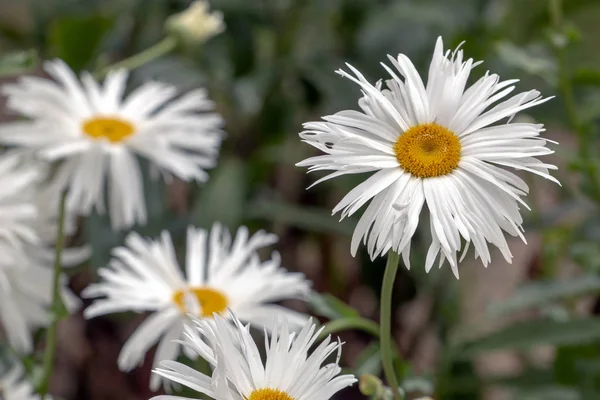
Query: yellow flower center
{"points": [[269, 394], [211, 301], [428, 150], [112, 129]]}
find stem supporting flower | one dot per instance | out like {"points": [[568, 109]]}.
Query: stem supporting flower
{"points": [[385, 327], [160, 49], [57, 302]]}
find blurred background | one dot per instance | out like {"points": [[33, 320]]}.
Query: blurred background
{"points": [[526, 330]]}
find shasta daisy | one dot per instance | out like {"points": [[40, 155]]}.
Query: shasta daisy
{"points": [[97, 132], [219, 274], [436, 145]]}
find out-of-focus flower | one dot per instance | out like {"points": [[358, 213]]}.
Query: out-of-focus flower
{"points": [[26, 296], [18, 208], [14, 387], [433, 144], [97, 132], [26, 274], [288, 373], [196, 24], [43, 229], [220, 275]]}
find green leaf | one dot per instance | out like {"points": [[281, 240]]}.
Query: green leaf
{"points": [[77, 39], [369, 361], [524, 335], [533, 60], [587, 76], [418, 384], [549, 392], [541, 293], [329, 306], [18, 62], [312, 219], [223, 198]]}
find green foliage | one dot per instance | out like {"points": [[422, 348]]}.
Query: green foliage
{"points": [[18, 62], [527, 334], [77, 39], [328, 306], [273, 69], [540, 294]]}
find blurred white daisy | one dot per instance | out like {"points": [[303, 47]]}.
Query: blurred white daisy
{"points": [[433, 145], [13, 386], [26, 297], [97, 133], [145, 276], [289, 372], [18, 206], [29, 212]]}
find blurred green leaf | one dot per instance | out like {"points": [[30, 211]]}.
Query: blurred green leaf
{"points": [[369, 361], [533, 61], [77, 39], [329, 306], [577, 366], [587, 76], [223, 198], [550, 392], [538, 294], [18, 62], [524, 335], [418, 384], [312, 219]]}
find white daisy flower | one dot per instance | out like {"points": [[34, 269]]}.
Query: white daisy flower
{"points": [[30, 221], [145, 276], [288, 373], [433, 145], [26, 297], [18, 207], [14, 387], [97, 132]]}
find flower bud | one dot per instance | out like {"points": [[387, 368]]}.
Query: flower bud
{"points": [[196, 24], [370, 385]]}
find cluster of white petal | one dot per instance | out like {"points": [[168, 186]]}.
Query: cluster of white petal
{"points": [[145, 275], [477, 202], [179, 135], [13, 386], [238, 370]]}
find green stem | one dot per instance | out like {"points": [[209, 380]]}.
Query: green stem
{"points": [[344, 324], [160, 49], [57, 303], [385, 333]]}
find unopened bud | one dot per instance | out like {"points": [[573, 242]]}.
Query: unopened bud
{"points": [[196, 24], [370, 385]]}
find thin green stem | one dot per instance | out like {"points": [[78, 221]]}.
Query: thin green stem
{"points": [[161, 48], [344, 324], [385, 332], [57, 303]]}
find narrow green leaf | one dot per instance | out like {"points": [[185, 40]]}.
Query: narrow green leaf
{"points": [[525, 335], [312, 219], [541, 293], [369, 361], [586, 76], [328, 306]]}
